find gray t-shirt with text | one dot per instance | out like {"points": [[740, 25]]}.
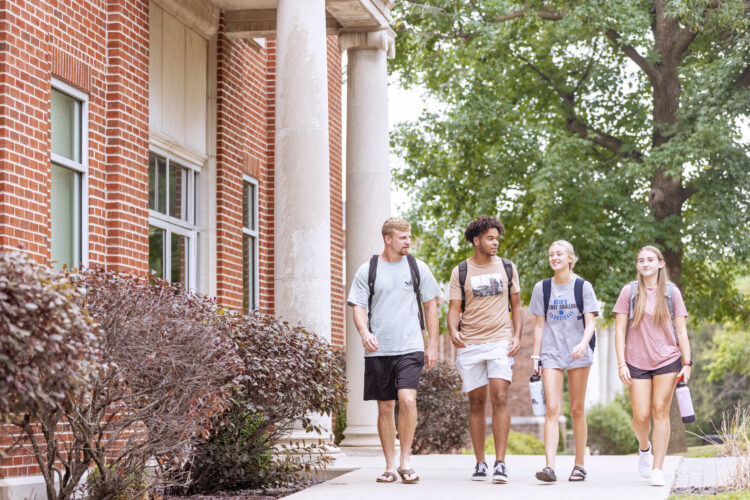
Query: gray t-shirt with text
{"points": [[563, 329], [395, 319]]}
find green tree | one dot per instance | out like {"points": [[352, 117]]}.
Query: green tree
{"points": [[610, 124]]}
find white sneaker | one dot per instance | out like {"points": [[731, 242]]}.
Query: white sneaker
{"points": [[645, 461], [657, 477]]}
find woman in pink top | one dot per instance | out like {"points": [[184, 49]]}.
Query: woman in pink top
{"points": [[651, 356]]}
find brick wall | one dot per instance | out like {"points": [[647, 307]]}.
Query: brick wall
{"points": [[335, 111], [102, 48], [24, 129], [241, 148]]}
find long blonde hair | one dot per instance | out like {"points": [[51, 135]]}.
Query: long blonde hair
{"points": [[661, 314]]}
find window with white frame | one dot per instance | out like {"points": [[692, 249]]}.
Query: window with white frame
{"points": [[68, 174], [172, 188], [249, 244]]}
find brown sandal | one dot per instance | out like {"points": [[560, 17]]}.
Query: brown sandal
{"points": [[387, 477], [408, 472]]}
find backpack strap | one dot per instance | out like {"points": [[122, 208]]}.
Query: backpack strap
{"points": [[633, 294], [546, 293], [415, 281], [578, 293], [669, 292], [371, 275], [508, 265], [463, 269]]}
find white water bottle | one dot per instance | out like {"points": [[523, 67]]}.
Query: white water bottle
{"points": [[537, 395], [685, 402]]}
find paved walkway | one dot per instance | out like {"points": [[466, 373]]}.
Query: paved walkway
{"points": [[447, 477]]}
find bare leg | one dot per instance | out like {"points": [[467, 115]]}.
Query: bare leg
{"points": [[407, 423], [477, 422], [552, 379], [500, 415], [577, 380], [387, 434], [663, 389], [640, 398]]}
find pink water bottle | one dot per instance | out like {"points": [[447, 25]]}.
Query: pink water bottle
{"points": [[685, 402]]}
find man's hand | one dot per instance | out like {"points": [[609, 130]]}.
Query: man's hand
{"points": [[514, 346], [458, 339], [369, 342], [431, 356]]}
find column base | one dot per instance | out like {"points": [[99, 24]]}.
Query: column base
{"points": [[362, 440]]}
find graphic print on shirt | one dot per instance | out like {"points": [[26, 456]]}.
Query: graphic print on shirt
{"points": [[560, 310], [487, 285]]}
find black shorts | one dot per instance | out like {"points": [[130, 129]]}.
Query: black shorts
{"points": [[385, 375], [674, 367]]}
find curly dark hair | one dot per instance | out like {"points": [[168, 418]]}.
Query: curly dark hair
{"points": [[481, 225]]}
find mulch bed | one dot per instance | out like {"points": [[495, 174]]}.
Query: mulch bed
{"points": [[256, 494]]}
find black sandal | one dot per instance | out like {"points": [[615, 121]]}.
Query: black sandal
{"points": [[578, 474], [547, 475]]}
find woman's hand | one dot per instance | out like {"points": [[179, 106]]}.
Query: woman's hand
{"points": [[579, 350], [624, 373], [685, 373]]}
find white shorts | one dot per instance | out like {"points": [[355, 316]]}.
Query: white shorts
{"points": [[478, 363]]}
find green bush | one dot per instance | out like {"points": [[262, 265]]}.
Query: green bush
{"points": [[520, 443], [119, 486], [290, 374], [610, 431], [442, 412]]}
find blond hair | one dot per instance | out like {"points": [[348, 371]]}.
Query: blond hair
{"points": [[568, 248], [395, 224], [661, 316]]}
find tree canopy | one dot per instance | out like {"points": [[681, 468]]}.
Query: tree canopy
{"points": [[610, 124]]}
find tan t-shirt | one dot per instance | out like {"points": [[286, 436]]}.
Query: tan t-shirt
{"points": [[486, 318]]}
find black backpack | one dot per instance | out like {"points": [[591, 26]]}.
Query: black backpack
{"points": [[463, 269], [414, 281], [578, 293]]}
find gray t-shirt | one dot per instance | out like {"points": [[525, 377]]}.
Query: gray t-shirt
{"points": [[563, 329], [395, 319]]}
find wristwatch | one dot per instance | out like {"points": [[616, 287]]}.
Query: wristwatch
{"points": [[688, 363]]}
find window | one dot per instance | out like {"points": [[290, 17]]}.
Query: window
{"points": [[249, 244], [172, 234], [68, 238]]}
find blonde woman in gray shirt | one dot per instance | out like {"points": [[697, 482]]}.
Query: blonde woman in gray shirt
{"points": [[565, 307]]}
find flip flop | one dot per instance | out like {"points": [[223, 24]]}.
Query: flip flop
{"points": [[547, 475], [578, 474], [390, 477], [408, 472]]}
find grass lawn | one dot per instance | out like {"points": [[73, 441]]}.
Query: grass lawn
{"points": [[709, 450], [731, 495]]}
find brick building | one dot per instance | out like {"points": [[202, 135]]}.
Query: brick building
{"points": [[199, 140]]}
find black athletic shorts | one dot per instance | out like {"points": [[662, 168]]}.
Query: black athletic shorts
{"points": [[670, 368], [385, 375]]}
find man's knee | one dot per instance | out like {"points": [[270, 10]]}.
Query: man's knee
{"points": [[386, 408], [407, 400]]}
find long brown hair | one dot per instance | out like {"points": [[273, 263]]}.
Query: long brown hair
{"points": [[661, 316]]}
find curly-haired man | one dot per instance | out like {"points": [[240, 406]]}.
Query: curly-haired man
{"points": [[484, 296]]}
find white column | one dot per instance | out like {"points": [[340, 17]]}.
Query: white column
{"points": [[368, 200], [302, 233]]}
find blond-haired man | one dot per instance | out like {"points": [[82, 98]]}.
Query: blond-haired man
{"points": [[394, 297]]}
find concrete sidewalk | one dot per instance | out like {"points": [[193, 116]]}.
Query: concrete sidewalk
{"points": [[447, 476]]}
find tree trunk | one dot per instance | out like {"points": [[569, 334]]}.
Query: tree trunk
{"points": [[667, 193]]}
